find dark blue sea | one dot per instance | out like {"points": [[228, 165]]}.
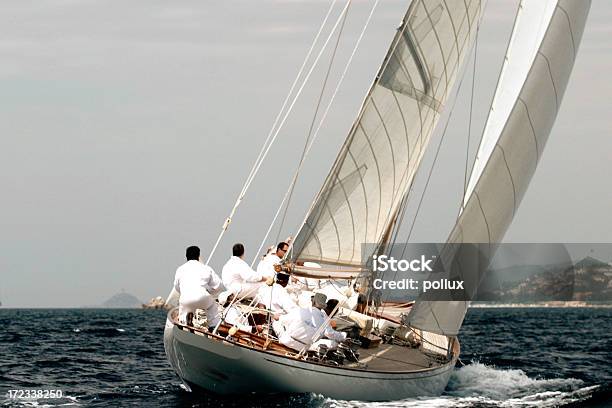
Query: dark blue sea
{"points": [[513, 357]]}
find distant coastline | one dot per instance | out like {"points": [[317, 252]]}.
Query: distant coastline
{"points": [[550, 304]]}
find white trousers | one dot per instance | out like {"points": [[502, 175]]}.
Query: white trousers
{"points": [[203, 301]]}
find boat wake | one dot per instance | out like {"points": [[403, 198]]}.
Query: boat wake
{"points": [[479, 385]]}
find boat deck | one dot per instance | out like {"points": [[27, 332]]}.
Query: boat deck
{"points": [[390, 358]]}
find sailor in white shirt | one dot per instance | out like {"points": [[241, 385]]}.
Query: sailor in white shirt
{"points": [[298, 328], [266, 265], [232, 315], [330, 337], [196, 283], [238, 277], [275, 298]]}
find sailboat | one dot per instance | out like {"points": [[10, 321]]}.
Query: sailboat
{"points": [[363, 196]]}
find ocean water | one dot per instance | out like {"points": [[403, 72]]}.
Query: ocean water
{"points": [[539, 357]]}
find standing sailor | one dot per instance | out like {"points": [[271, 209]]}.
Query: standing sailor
{"points": [[237, 275], [196, 283]]}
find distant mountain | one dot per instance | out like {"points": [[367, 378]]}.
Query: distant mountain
{"points": [[587, 280], [123, 300], [591, 263]]}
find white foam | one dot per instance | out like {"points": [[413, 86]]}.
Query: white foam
{"points": [[480, 380], [478, 384]]}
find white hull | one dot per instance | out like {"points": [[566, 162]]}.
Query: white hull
{"points": [[227, 368]]}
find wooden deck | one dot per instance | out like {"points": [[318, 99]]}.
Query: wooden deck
{"points": [[390, 358]]}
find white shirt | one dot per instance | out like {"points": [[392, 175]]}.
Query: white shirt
{"points": [[319, 317], [234, 317], [235, 272], [297, 328], [276, 298], [194, 280], [266, 266]]}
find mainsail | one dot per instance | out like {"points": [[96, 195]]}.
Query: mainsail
{"points": [[540, 58], [373, 172]]}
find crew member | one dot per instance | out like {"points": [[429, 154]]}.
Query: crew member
{"points": [[238, 277], [196, 283], [266, 265], [232, 315], [331, 337], [275, 298], [303, 327]]}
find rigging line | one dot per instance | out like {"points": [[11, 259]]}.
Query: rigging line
{"points": [[469, 136], [315, 135], [271, 139], [299, 92], [307, 147], [312, 123], [295, 81]]}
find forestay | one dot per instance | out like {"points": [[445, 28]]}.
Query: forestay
{"points": [[540, 57], [361, 196]]}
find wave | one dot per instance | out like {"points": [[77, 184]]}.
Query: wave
{"points": [[552, 304], [108, 332], [478, 385]]}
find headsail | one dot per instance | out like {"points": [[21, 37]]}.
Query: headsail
{"points": [[378, 161], [540, 56]]}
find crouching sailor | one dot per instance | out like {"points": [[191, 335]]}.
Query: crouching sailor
{"points": [[329, 336], [303, 328], [238, 277], [232, 315], [196, 283], [275, 298]]}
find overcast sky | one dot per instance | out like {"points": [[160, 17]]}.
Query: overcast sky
{"points": [[128, 128]]}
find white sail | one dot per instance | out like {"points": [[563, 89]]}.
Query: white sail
{"points": [[540, 59], [378, 161]]}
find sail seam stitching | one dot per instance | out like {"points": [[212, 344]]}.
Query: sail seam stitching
{"points": [[511, 179], [399, 108], [367, 138], [417, 100], [331, 217], [382, 122], [433, 29], [454, 30], [351, 213], [484, 216], [535, 137], [569, 24], [365, 194], [552, 79]]}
